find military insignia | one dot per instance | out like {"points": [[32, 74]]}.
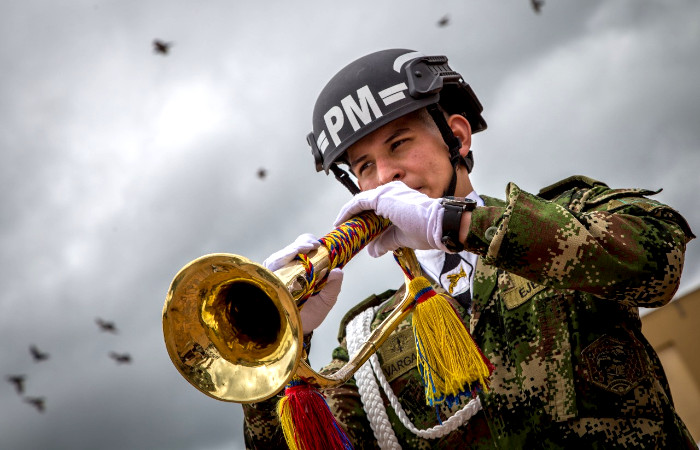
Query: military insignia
{"points": [[614, 364], [517, 290], [398, 354], [454, 278]]}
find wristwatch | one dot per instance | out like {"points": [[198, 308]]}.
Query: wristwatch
{"points": [[452, 219]]}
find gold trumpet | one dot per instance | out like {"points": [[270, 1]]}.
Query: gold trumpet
{"points": [[232, 327]]}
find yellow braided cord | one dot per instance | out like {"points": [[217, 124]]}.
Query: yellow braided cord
{"points": [[350, 237], [313, 285], [450, 362], [342, 243]]}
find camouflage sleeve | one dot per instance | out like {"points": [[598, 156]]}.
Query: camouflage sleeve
{"points": [[622, 247], [261, 425]]}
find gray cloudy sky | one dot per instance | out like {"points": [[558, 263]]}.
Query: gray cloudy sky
{"points": [[120, 165]]}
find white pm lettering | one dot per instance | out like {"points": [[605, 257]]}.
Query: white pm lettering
{"points": [[334, 126], [353, 110], [362, 109]]}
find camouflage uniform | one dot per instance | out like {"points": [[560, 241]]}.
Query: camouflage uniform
{"points": [[555, 308]]}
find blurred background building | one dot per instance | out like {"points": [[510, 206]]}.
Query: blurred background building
{"points": [[674, 333]]}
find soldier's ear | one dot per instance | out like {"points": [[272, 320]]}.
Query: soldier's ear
{"points": [[462, 130]]}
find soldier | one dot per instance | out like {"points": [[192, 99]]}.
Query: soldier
{"points": [[549, 285]]}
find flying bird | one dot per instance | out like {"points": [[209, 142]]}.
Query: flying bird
{"points": [[262, 173], [444, 21], [37, 354], [537, 5], [18, 381], [120, 358], [161, 47], [37, 402], [105, 326]]}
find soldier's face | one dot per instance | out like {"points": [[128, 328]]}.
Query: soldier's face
{"points": [[409, 149]]}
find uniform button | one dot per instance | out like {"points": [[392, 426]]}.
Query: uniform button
{"points": [[490, 233]]}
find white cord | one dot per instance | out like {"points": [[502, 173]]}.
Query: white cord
{"points": [[367, 385], [357, 331]]}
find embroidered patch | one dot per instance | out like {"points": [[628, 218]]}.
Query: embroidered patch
{"points": [[614, 364], [398, 354], [517, 290]]}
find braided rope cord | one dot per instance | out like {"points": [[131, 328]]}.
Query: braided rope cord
{"points": [[357, 331], [367, 385], [343, 243]]}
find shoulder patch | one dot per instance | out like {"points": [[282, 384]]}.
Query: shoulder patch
{"points": [[615, 364]]}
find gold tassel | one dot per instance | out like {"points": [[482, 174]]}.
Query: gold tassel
{"points": [[306, 420], [450, 362]]}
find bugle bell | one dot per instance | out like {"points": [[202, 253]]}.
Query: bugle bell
{"points": [[232, 327]]}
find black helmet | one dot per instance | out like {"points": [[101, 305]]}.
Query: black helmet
{"points": [[378, 88]]}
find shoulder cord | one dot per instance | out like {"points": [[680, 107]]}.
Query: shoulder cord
{"points": [[357, 331]]}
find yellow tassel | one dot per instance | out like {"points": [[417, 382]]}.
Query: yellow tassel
{"points": [[285, 416], [306, 420], [450, 362]]}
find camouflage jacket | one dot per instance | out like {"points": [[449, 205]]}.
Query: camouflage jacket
{"points": [[556, 293]]}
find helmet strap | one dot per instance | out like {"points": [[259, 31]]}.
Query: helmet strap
{"points": [[453, 145], [344, 179]]}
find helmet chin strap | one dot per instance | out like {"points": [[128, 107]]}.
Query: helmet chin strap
{"points": [[453, 145], [344, 179]]}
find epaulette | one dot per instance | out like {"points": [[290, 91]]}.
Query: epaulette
{"points": [[575, 181], [369, 302]]}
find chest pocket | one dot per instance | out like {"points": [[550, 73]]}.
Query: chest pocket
{"points": [[516, 290]]}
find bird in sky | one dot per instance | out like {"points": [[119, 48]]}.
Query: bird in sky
{"points": [[444, 21], [537, 5], [262, 173], [37, 402], [37, 354], [105, 326], [120, 358], [161, 47], [18, 381]]}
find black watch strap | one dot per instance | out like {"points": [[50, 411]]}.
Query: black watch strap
{"points": [[452, 219]]}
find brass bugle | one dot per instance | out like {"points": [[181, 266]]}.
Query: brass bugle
{"points": [[232, 327]]}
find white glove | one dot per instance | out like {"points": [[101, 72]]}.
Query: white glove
{"points": [[416, 218], [302, 244], [317, 306]]}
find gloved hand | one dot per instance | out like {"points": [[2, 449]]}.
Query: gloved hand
{"points": [[302, 244], [317, 306], [416, 218]]}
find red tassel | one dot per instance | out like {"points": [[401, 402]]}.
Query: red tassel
{"points": [[307, 421]]}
